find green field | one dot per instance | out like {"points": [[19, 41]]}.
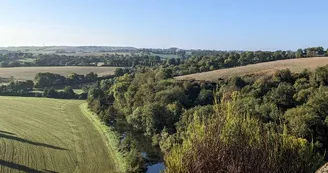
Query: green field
{"points": [[51, 135], [28, 73]]}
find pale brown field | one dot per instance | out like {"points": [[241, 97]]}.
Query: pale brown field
{"points": [[28, 73], [266, 68]]}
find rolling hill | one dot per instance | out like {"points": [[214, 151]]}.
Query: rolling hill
{"points": [[295, 65], [69, 50]]}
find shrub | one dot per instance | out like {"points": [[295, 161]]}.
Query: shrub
{"points": [[230, 142]]}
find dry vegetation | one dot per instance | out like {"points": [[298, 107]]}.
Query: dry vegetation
{"points": [[295, 65], [28, 73], [50, 135]]}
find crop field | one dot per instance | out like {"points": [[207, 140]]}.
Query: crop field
{"points": [[266, 68], [50, 135], [28, 73]]}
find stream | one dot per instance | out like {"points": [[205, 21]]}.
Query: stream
{"points": [[156, 168]]}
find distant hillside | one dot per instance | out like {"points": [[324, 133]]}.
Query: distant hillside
{"points": [[69, 49], [295, 65]]}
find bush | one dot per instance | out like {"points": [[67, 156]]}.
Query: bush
{"points": [[230, 142], [284, 75]]}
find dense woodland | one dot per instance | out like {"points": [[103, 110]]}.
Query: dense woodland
{"points": [[181, 118], [273, 123]]}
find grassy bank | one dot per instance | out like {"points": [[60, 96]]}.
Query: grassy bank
{"points": [[109, 136]]}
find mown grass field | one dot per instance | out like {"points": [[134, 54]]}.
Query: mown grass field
{"points": [[51, 135], [266, 68], [28, 73]]}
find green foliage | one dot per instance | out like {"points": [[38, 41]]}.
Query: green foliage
{"points": [[171, 95], [282, 96], [43, 80], [205, 97], [299, 53], [271, 119], [303, 95], [50, 93], [166, 141], [200, 113], [118, 72], [237, 82], [47, 79], [132, 157], [269, 112], [91, 76], [314, 51], [321, 75], [301, 83], [171, 61], [283, 76], [119, 60], [229, 142], [163, 74], [300, 120], [68, 92], [106, 84], [151, 118]]}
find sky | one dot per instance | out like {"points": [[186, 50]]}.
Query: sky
{"points": [[187, 24]]}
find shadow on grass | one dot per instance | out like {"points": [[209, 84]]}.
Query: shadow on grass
{"points": [[18, 167], [9, 133], [48, 171], [8, 136]]}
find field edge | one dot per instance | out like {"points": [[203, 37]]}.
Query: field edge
{"points": [[258, 69], [109, 137]]}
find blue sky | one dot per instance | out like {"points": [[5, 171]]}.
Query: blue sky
{"points": [[203, 24]]}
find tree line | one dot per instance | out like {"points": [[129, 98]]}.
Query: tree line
{"points": [[17, 88], [27, 89], [214, 60], [45, 84], [47, 79], [116, 60], [66, 93], [197, 61]]}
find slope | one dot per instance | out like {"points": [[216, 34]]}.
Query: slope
{"points": [[295, 65], [50, 135]]}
